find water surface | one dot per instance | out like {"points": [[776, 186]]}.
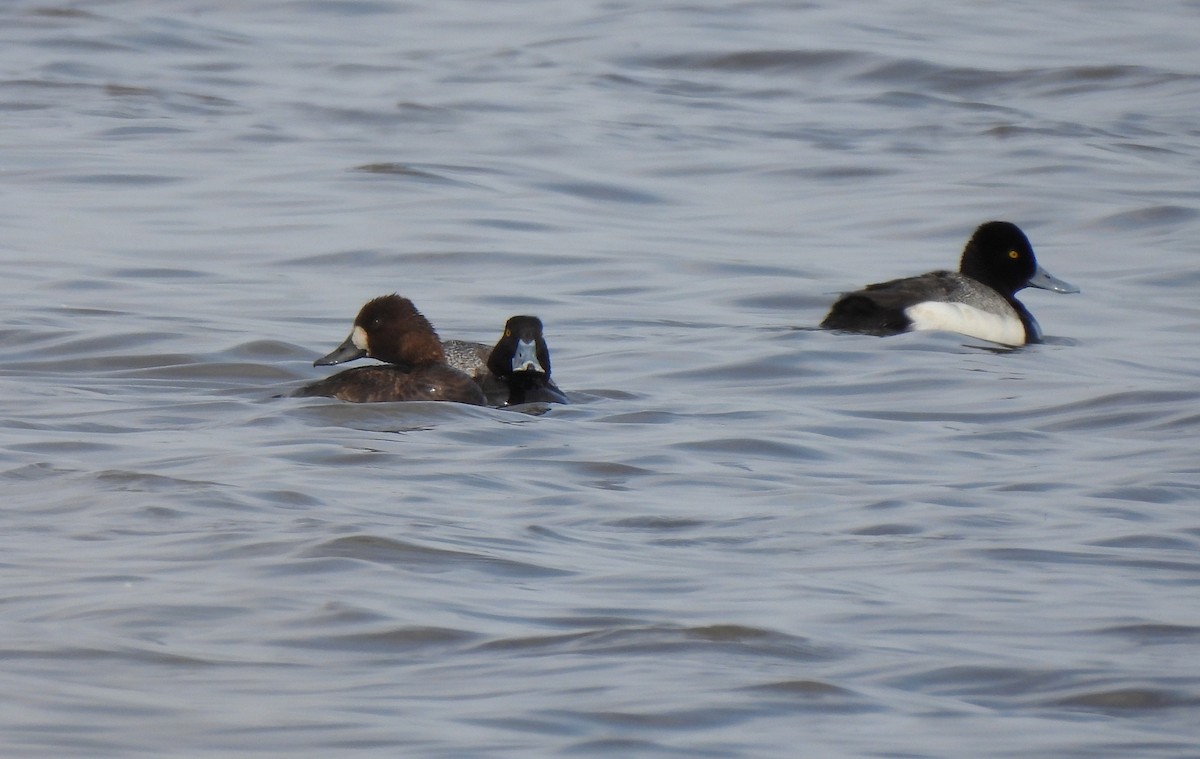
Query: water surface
{"points": [[745, 537]]}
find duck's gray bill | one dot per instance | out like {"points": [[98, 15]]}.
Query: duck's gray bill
{"points": [[1044, 280]]}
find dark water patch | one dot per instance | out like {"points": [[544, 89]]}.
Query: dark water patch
{"points": [[905, 99], [273, 350], [658, 524], [345, 8], [813, 696], [675, 720], [214, 374], [521, 726], [888, 529], [125, 99], [390, 419], [36, 472], [744, 270], [1125, 700], [342, 614], [1152, 542], [1183, 493], [62, 447], [127, 655], [421, 558], [120, 479], [623, 291], [755, 448], [1138, 404], [58, 12], [124, 180], [95, 365], [15, 106], [515, 225], [1137, 148], [372, 258], [1083, 748], [609, 747], [1149, 218], [418, 113], [1150, 633], [585, 620], [145, 619], [642, 417], [378, 260], [401, 170], [802, 688], [601, 475], [1123, 409], [1012, 131], [1071, 80], [667, 640], [78, 44], [783, 62], [193, 39], [1104, 558], [142, 132], [988, 685], [779, 366], [71, 353], [605, 192], [161, 273], [961, 417], [1023, 487], [382, 117], [53, 85], [125, 90], [847, 173], [964, 81], [1181, 279], [399, 640], [237, 548]]}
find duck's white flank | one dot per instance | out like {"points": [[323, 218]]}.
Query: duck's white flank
{"points": [[967, 320]]}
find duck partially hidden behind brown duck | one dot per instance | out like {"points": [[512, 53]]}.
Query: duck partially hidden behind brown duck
{"points": [[391, 329], [520, 361]]}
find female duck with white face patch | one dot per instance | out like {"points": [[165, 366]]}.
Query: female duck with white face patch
{"points": [[391, 329], [979, 300]]}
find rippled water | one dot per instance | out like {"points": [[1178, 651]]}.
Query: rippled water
{"points": [[745, 537]]}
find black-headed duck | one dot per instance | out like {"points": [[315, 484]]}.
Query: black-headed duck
{"points": [[521, 362], [978, 300]]}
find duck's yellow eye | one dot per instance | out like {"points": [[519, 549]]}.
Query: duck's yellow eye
{"points": [[508, 333], [1014, 255]]}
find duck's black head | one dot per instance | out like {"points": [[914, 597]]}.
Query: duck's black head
{"points": [[521, 349], [999, 255]]}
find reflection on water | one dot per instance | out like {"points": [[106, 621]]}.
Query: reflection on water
{"points": [[744, 533]]}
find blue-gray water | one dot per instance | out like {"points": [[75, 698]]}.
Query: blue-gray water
{"points": [[746, 537]]}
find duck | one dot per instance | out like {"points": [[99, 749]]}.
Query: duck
{"points": [[978, 300], [391, 329], [520, 362]]}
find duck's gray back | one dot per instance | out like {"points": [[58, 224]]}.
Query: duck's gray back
{"points": [[962, 289], [467, 356]]}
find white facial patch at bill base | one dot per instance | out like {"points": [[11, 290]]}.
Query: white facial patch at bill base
{"points": [[358, 336], [525, 359], [967, 320]]}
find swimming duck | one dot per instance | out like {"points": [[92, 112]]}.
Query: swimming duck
{"points": [[521, 362], [391, 329], [978, 300]]}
